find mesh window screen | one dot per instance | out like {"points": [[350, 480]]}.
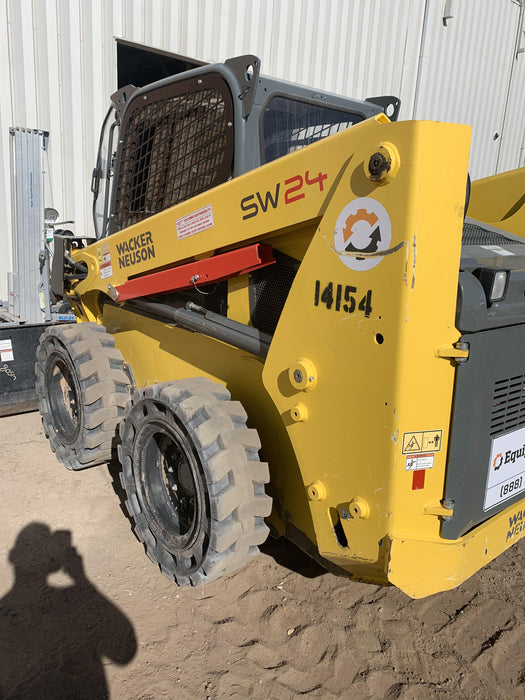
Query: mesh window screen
{"points": [[290, 125], [175, 144]]}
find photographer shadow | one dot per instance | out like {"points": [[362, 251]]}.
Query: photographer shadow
{"points": [[54, 638]]}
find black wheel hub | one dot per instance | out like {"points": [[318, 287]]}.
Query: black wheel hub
{"points": [[63, 396], [170, 483]]}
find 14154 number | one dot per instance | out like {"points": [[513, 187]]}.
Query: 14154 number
{"points": [[343, 297]]}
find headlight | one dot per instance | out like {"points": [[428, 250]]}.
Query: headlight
{"points": [[494, 282]]}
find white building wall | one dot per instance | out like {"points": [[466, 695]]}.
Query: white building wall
{"points": [[465, 70], [58, 68], [513, 133]]}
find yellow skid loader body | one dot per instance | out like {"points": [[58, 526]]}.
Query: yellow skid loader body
{"points": [[500, 200], [353, 401]]}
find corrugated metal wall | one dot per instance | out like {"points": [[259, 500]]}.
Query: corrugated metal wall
{"points": [[513, 132], [465, 71], [58, 67]]}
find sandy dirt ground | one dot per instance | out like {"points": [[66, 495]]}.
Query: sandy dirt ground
{"points": [[84, 613]]}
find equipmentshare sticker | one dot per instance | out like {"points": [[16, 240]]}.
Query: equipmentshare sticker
{"points": [[506, 475]]}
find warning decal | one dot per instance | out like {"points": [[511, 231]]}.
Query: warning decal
{"points": [[362, 231], [497, 250], [195, 222], [104, 261], [6, 350], [422, 461], [413, 445], [422, 441]]}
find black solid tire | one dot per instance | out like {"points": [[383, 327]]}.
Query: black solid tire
{"points": [[82, 392], [194, 482]]}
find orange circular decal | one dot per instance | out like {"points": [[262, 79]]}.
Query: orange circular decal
{"points": [[362, 231]]}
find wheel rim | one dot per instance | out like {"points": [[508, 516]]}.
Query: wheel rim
{"points": [[170, 484], [63, 395]]}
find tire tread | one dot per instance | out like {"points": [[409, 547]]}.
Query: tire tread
{"points": [[104, 389], [235, 478]]}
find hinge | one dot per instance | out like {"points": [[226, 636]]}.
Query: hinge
{"points": [[443, 509], [458, 352]]}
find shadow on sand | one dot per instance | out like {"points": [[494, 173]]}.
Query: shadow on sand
{"points": [[53, 638]]}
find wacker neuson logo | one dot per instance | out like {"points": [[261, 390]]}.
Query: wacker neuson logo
{"points": [[516, 525], [135, 250]]}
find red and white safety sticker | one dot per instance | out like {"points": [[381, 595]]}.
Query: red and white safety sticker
{"points": [[422, 461]]}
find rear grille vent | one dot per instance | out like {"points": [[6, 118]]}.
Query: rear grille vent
{"points": [[269, 288], [475, 235], [508, 405]]}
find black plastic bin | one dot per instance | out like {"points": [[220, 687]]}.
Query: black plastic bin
{"points": [[18, 344]]}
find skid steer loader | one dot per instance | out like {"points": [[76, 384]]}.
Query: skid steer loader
{"points": [[285, 271]]}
